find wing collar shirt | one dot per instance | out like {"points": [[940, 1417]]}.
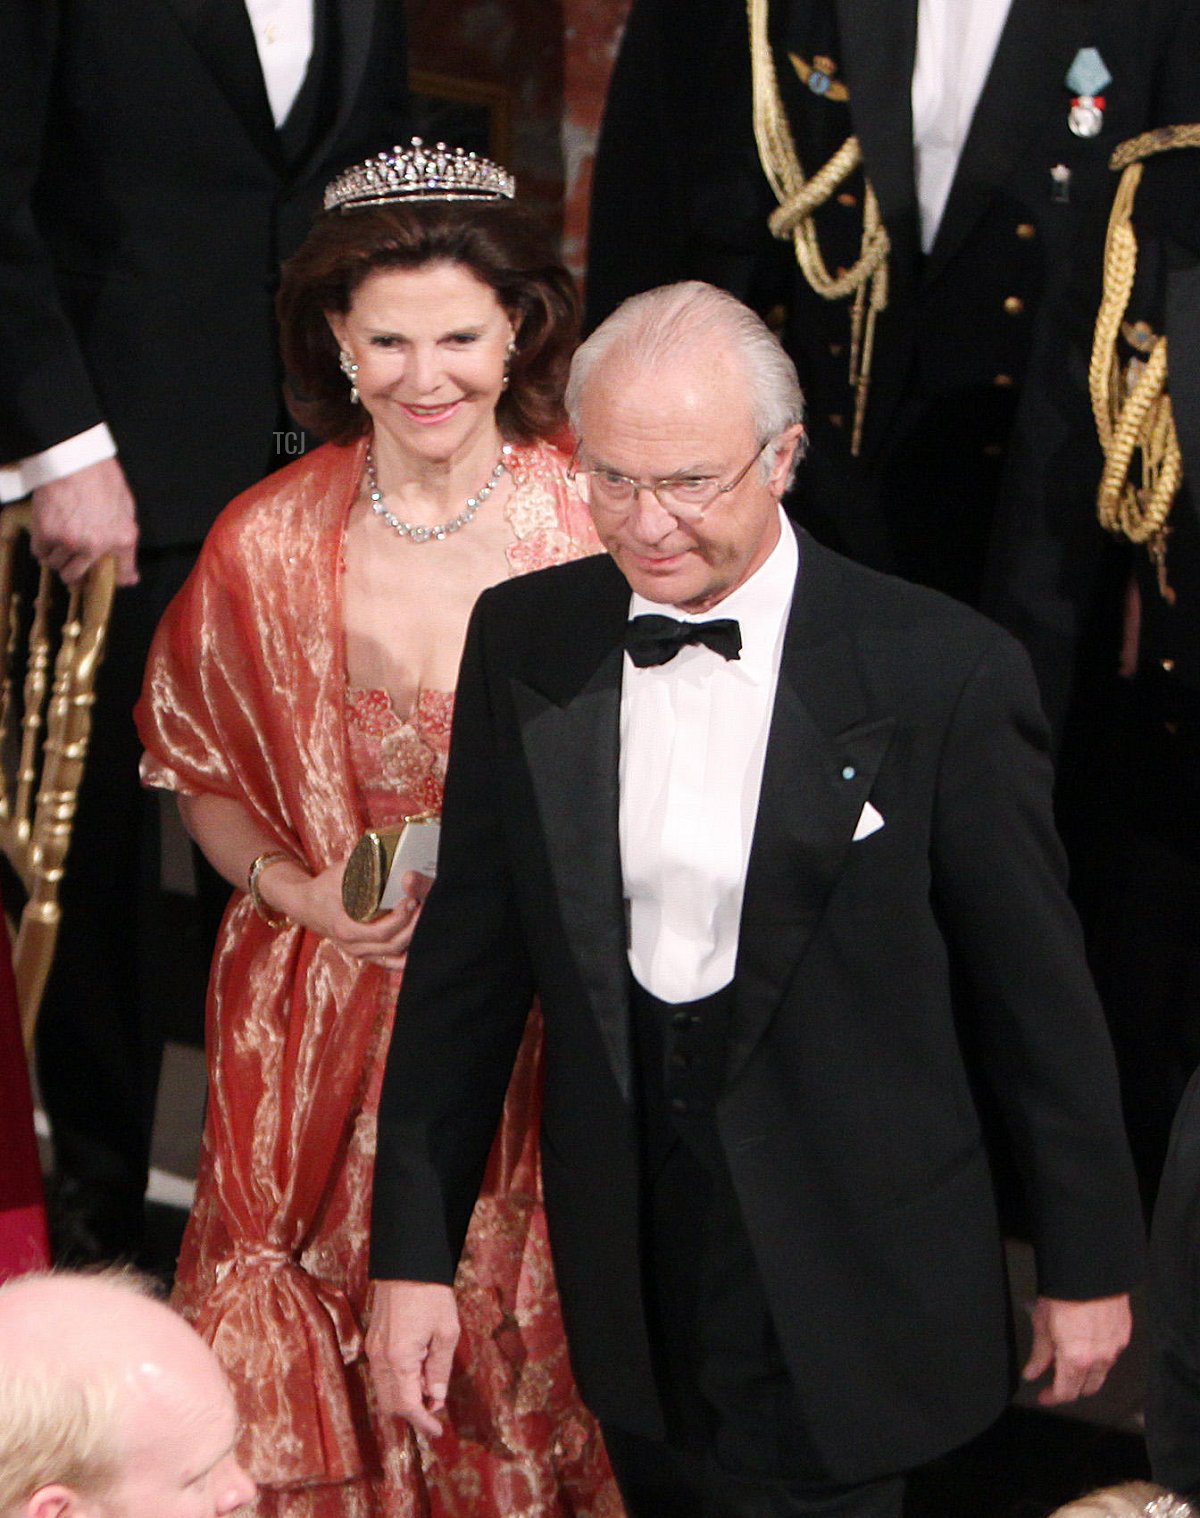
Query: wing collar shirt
{"points": [[283, 35], [693, 741]]}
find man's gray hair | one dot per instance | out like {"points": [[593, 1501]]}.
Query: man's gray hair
{"points": [[57, 1427], [648, 328]]}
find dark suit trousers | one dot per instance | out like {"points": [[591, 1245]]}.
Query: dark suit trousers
{"points": [[737, 1445]]}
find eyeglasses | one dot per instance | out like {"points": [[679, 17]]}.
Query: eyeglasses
{"points": [[685, 496]]}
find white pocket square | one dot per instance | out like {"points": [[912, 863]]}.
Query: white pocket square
{"points": [[869, 822]]}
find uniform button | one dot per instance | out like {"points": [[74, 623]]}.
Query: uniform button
{"points": [[1168, 665], [680, 1061], [836, 349], [681, 1019], [846, 199], [1014, 305], [1003, 381], [679, 1104], [1026, 230], [836, 419], [992, 450]]}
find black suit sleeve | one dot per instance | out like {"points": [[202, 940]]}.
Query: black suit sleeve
{"points": [[999, 881], [462, 1010], [678, 192], [46, 394], [1173, 1399]]}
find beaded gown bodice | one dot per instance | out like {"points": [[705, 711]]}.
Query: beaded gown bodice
{"points": [[398, 762]]}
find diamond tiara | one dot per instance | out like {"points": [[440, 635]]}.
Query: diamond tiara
{"points": [[420, 173]]}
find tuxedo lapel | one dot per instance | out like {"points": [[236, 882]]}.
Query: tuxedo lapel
{"points": [[1026, 80], [351, 23], [823, 753], [570, 732], [221, 33], [878, 43]]}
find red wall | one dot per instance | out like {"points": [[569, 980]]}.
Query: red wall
{"points": [[553, 59]]}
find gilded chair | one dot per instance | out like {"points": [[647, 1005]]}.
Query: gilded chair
{"points": [[45, 724]]}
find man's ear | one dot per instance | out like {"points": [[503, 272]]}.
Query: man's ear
{"points": [[785, 451], [56, 1501]]}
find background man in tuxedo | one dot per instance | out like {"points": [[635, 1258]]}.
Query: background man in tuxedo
{"points": [[740, 882], [159, 159]]}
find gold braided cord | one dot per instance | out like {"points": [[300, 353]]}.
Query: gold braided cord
{"points": [[1131, 406], [799, 197], [1160, 140]]}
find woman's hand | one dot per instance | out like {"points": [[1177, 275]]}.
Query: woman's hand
{"points": [[315, 902]]}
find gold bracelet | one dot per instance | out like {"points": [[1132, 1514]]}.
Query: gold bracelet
{"points": [[263, 862]]}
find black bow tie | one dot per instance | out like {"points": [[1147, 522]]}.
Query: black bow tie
{"points": [[655, 640]]}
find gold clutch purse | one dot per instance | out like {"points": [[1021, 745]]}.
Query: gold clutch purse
{"points": [[373, 876]]}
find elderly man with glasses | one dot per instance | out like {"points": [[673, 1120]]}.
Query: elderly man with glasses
{"points": [[741, 813]]}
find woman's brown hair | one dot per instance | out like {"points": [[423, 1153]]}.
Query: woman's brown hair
{"points": [[499, 243]]}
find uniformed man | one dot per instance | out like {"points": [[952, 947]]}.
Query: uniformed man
{"points": [[939, 175]]}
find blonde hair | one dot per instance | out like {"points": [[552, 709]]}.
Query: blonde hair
{"points": [[57, 1427], [1131, 1499]]}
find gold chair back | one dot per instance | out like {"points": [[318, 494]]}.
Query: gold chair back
{"points": [[45, 725]]}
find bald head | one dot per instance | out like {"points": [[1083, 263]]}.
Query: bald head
{"points": [[109, 1404]]}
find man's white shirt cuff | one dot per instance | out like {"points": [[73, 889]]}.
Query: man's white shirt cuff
{"points": [[73, 453]]}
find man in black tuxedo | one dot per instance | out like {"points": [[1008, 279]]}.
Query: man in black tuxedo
{"points": [[159, 158], [741, 877], [985, 131]]}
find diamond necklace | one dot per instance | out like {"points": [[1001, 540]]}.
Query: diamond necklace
{"points": [[418, 534]]}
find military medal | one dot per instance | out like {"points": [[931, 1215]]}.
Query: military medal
{"points": [[1086, 77], [1086, 116], [818, 76]]}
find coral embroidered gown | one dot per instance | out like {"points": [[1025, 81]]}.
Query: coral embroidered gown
{"points": [[246, 695]]}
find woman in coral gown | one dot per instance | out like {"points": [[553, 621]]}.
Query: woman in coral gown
{"points": [[300, 690]]}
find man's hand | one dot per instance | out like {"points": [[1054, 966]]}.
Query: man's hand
{"points": [[410, 1344], [1081, 1340], [83, 516]]}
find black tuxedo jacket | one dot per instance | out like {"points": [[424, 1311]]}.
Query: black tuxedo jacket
{"points": [[847, 1115], [146, 201], [978, 411]]}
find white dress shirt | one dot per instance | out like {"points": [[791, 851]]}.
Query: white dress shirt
{"points": [[956, 42], [283, 35], [693, 741]]}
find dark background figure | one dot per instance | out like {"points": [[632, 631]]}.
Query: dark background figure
{"points": [[152, 177], [1140, 861], [1173, 1402], [978, 460]]}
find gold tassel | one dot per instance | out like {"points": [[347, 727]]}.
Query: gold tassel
{"points": [[1131, 406], [799, 198]]}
